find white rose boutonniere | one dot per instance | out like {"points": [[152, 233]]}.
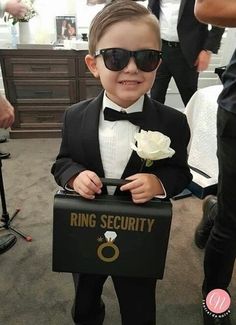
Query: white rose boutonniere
{"points": [[152, 145]]}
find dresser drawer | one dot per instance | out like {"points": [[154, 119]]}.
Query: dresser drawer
{"points": [[39, 117], [40, 84], [89, 88], [42, 91], [83, 69], [40, 67]]}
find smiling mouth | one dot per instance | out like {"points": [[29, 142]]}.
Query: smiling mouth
{"points": [[130, 82]]}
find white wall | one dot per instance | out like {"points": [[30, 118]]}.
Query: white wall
{"points": [[43, 26]]}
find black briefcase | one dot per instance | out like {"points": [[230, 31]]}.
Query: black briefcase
{"points": [[110, 235]]}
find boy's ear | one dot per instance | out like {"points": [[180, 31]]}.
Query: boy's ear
{"points": [[91, 64]]}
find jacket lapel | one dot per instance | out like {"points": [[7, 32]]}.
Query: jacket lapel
{"points": [[90, 135], [181, 9], [135, 162]]}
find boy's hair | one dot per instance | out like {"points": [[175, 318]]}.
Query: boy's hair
{"points": [[118, 11]]}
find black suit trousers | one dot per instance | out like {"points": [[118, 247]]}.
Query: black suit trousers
{"points": [[221, 247], [136, 298], [174, 65]]}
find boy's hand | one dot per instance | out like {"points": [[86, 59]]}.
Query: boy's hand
{"points": [[87, 184], [143, 187]]}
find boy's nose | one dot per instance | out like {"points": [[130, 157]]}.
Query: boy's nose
{"points": [[131, 66]]}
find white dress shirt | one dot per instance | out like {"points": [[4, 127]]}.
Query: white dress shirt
{"points": [[169, 13], [115, 140]]}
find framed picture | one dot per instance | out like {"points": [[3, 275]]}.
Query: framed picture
{"points": [[66, 28]]}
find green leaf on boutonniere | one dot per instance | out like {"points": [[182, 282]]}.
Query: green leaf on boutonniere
{"points": [[149, 163]]}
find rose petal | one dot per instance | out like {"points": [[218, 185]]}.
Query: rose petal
{"points": [[152, 145]]}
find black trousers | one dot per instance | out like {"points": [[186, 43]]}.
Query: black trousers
{"points": [[136, 298], [220, 250], [174, 65]]}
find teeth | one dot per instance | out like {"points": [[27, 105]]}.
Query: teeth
{"points": [[128, 82]]}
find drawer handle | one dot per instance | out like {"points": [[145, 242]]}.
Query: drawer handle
{"points": [[44, 117], [47, 68], [43, 92]]}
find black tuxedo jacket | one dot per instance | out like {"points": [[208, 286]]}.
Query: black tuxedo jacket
{"points": [[80, 145], [193, 35]]}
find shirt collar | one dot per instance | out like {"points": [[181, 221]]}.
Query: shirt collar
{"points": [[136, 107]]}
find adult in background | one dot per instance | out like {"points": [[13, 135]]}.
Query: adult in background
{"points": [[220, 249], [16, 9], [6, 119], [187, 45]]}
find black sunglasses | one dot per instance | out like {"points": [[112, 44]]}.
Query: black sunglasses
{"points": [[117, 59]]}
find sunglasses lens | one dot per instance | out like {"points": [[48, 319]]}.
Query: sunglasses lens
{"points": [[116, 59], [147, 60]]}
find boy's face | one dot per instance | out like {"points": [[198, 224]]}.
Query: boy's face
{"points": [[126, 86]]}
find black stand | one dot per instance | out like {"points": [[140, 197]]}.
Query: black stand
{"points": [[5, 216]]}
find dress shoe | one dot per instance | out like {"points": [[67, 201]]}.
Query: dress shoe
{"points": [[209, 209], [3, 139], [6, 242], [4, 155]]}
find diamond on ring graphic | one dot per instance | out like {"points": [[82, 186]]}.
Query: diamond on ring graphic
{"points": [[110, 237]]}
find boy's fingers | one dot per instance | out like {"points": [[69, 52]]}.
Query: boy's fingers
{"points": [[132, 185], [95, 180]]}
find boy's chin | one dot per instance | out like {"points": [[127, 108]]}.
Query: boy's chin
{"points": [[125, 98], [126, 102]]}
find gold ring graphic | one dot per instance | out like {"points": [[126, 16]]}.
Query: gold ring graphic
{"points": [[108, 259]]}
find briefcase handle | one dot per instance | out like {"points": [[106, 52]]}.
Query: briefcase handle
{"points": [[114, 181], [106, 182]]}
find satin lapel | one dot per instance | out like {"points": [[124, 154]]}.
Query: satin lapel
{"points": [[90, 135], [134, 164], [181, 8]]}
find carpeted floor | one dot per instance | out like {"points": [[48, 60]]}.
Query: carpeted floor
{"points": [[30, 293]]}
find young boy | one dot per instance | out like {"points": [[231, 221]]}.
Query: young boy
{"points": [[124, 52]]}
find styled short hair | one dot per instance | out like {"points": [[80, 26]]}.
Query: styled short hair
{"points": [[118, 11]]}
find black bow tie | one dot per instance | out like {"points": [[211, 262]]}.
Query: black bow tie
{"points": [[134, 118]]}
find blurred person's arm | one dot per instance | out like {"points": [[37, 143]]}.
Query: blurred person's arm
{"points": [[14, 7], [216, 12], [7, 115]]}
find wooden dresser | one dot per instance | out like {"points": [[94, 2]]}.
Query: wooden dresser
{"points": [[41, 84]]}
